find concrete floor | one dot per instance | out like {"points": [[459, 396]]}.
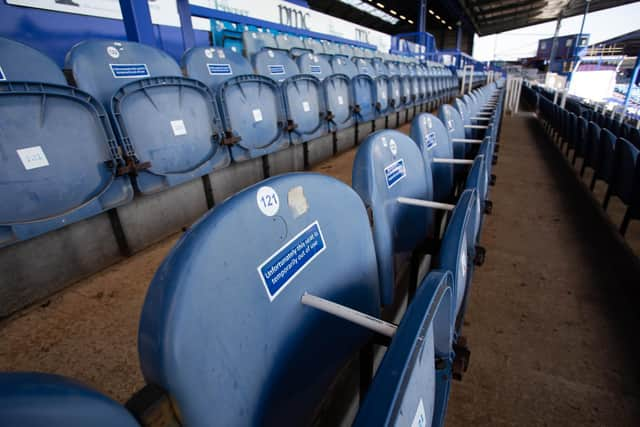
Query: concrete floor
{"points": [[550, 323], [552, 319]]}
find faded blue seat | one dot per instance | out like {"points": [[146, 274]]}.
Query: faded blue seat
{"points": [[44, 400], [61, 162], [251, 105], [389, 165], [394, 91], [180, 138], [304, 100], [456, 128], [411, 386], [223, 330]]}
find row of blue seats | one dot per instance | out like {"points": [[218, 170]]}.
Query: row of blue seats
{"points": [[613, 159], [253, 314], [231, 111]]}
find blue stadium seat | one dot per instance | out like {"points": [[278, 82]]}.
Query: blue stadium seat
{"points": [[389, 165], [223, 330], [303, 93], [313, 45], [411, 386], [61, 162], [251, 105], [44, 400], [431, 136], [456, 127], [457, 250], [338, 93], [363, 86], [606, 157], [255, 41], [181, 136], [291, 43], [623, 173]]}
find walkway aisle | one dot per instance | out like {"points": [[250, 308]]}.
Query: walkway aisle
{"points": [[552, 318]]}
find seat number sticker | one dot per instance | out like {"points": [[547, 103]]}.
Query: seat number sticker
{"points": [[268, 201], [178, 127], [315, 69], [257, 115], [219, 69], [430, 140], [340, 100], [32, 157], [129, 71], [305, 106], [395, 172], [277, 272]]}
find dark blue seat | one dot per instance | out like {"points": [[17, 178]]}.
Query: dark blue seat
{"points": [[389, 165], [592, 143], [251, 105], [623, 172], [411, 386], [180, 137], [43, 400], [606, 156], [223, 330], [61, 163], [303, 93]]}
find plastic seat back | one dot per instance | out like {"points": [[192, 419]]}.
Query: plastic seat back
{"points": [[21, 63], [180, 137], [212, 66], [410, 386], [255, 41], [293, 44], [455, 125], [364, 66], [431, 136], [346, 50], [61, 161], [44, 400], [363, 87], [257, 116], [456, 251], [606, 155], [339, 95], [313, 44], [389, 165], [626, 158], [275, 64], [303, 93], [223, 330]]}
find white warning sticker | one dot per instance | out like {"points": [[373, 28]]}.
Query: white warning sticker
{"points": [[257, 115], [178, 127], [305, 106], [33, 157], [340, 100]]}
